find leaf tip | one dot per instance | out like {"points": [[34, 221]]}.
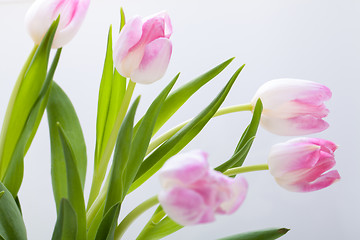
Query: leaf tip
{"points": [[283, 230]]}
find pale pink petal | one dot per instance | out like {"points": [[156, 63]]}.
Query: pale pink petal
{"points": [[154, 63], [237, 196], [152, 29], [184, 206], [301, 125], [292, 156], [326, 145], [321, 182], [184, 169], [42, 13], [277, 91], [73, 20], [128, 38]]}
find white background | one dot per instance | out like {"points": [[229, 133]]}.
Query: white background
{"points": [[314, 40]]}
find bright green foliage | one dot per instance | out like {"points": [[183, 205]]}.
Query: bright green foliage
{"points": [[178, 97], [66, 223], [159, 226], [268, 234], [60, 110], [11, 222], [121, 158], [111, 94], [178, 141], [245, 141], [26, 93], [75, 191], [14, 174], [107, 227]]}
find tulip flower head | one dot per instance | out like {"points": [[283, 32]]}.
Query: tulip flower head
{"points": [[143, 49], [193, 193], [303, 164], [43, 12], [293, 107]]}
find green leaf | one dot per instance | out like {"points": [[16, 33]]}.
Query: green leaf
{"points": [[159, 230], [104, 95], [121, 158], [93, 226], [75, 190], [60, 110], [122, 18], [66, 223], [11, 223], [14, 174], [267, 234], [2, 193], [23, 98], [108, 225], [178, 141], [178, 97], [245, 142]]}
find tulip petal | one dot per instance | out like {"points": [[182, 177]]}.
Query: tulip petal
{"points": [[128, 38], [301, 125], [184, 169], [154, 62], [43, 12], [73, 18], [321, 182], [237, 196], [183, 205], [289, 157]]}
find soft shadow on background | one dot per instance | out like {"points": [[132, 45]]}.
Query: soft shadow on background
{"points": [[313, 40]]}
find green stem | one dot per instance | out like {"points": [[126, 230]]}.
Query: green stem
{"points": [[99, 174], [253, 168], [238, 108], [135, 213]]}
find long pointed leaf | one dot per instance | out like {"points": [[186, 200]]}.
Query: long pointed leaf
{"points": [[14, 173], [172, 146], [60, 110], [25, 94], [107, 227], [75, 191], [121, 158], [245, 141], [11, 222], [66, 223], [177, 98], [267, 234]]}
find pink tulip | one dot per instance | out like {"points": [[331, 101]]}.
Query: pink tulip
{"points": [[43, 12], [143, 49], [293, 107], [302, 164], [192, 192]]}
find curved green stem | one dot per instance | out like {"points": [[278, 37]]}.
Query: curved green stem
{"points": [[99, 174], [238, 108], [135, 213], [253, 168]]}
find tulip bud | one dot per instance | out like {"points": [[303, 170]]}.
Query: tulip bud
{"points": [[293, 107], [43, 12], [192, 192], [143, 49], [302, 164]]}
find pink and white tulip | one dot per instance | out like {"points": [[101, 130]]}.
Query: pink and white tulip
{"points": [[293, 107], [303, 164], [43, 12], [193, 193], [142, 51]]}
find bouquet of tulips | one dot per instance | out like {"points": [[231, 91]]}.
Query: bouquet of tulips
{"points": [[126, 152]]}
